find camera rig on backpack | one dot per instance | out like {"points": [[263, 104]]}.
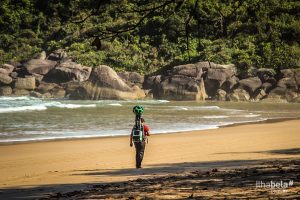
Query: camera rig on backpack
{"points": [[138, 130]]}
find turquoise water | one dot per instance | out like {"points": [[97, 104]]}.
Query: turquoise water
{"points": [[27, 118]]}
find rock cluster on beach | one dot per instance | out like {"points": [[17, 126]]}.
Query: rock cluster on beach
{"points": [[207, 80], [58, 76]]}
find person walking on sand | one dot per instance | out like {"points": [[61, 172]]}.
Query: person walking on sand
{"points": [[139, 144]]}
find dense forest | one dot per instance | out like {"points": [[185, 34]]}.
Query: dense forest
{"points": [[144, 36]]}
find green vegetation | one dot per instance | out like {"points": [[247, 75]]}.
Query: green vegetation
{"points": [[147, 35]]}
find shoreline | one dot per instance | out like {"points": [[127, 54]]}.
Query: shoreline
{"points": [[283, 119], [66, 165]]}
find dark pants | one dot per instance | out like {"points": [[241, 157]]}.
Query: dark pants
{"points": [[140, 148]]}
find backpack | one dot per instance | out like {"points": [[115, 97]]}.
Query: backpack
{"points": [[138, 131]]}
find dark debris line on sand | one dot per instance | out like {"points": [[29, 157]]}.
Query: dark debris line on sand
{"points": [[215, 184]]}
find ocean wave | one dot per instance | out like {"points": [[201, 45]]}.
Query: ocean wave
{"points": [[150, 101], [115, 104], [18, 98], [215, 117], [39, 106], [195, 107], [249, 115], [61, 105], [23, 108]]}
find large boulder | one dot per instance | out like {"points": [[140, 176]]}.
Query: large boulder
{"points": [[265, 74], [68, 71], [296, 100], [288, 83], [205, 65], [179, 87], [259, 95], [191, 70], [276, 95], [3, 71], [150, 82], [39, 66], [58, 92], [5, 91], [250, 84], [221, 95], [104, 76], [104, 83], [287, 73], [27, 83], [90, 91], [230, 84], [215, 78], [132, 78], [267, 86], [5, 79], [8, 68], [35, 94], [238, 95], [71, 86], [46, 87], [20, 92], [280, 94], [297, 77]]}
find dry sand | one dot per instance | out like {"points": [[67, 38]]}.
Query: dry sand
{"points": [[69, 164]]}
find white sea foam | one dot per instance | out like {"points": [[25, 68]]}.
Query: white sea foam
{"points": [[249, 115], [61, 105], [115, 104], [195, 107], [17, 98], [23, 108], [215, 116], [38, 105], [163, 101]]}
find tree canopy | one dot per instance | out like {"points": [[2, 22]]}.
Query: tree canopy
{"points": [[139, 35]]}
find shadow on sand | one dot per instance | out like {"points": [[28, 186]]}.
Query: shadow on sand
{"points": [[293, 151], [37, 192]]}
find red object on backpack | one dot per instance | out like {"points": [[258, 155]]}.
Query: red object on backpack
{"points": [[146, 130]]}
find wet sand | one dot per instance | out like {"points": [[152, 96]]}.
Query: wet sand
{"points": [[41, 168]]}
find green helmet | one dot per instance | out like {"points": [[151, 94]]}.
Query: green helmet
{"points": [[138, 110]]}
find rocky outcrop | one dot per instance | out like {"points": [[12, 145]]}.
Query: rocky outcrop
{"points": [[221, 95], [5, 79], [68, 71], [264, 74], [20, 92], [250, 84], [259, 95], [104, 83], [132, 78], [104, 76], [239, 95], [183, 82], [57, 76], [25, 83], [5, 91], [7, 68], [179, 87], [288, 83], [39, 66], [215, 78]]}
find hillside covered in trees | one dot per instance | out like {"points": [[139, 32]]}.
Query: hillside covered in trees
{"points": [[145, 36]]}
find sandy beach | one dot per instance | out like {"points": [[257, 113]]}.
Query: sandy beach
{"points": [[62, 166]]}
